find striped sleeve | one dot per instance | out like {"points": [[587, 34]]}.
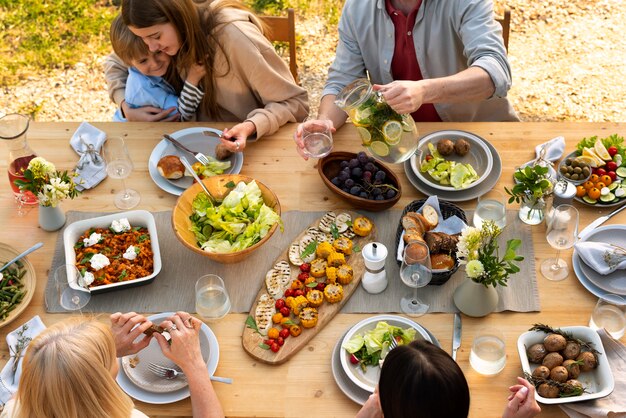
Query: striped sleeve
{"points": [[188, 101]]}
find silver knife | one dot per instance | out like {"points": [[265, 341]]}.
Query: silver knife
{"points": [[456, 336], [602, 219]]}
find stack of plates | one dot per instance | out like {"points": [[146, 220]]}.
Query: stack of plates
{"points": [[593, 281], [195, 140], [140, 383], [354, 383], [484, 153]]}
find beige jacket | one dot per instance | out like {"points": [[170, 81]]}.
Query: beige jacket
{"points": [[259, 86]]}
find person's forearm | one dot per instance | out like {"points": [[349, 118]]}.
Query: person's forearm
{"points": [[330, 110], [204, 401], [473, 84]]}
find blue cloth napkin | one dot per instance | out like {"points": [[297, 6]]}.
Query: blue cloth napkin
{"points": [[87, 141]]}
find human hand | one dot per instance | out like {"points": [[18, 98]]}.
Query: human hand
{"points": [[371, 408], [195, 73], [184, 346], [149, 114], [403, 96], [126, 328], [522, 403], [236, 138]]}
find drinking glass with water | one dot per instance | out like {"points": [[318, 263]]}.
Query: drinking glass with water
{"points": [[491, 207], [212, 301], [610, 314], [317, 137], [488, 354]]}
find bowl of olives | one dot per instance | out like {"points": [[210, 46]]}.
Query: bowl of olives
{"points": [[360, 180], [573, 170], [565, 364]]}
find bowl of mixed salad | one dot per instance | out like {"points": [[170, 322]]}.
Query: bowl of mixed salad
{"points": [[366, 344], [452, 160], [242, 218]]}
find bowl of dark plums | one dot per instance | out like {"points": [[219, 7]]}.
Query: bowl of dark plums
{"points": [[360, 180]]}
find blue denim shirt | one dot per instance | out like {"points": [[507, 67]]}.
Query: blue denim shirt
{"points": [[449, 35], [142, 90]]}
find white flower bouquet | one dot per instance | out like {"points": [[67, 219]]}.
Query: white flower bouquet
{"points": [[49, 185]]}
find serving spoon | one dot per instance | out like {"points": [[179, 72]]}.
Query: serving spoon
{"points": [[195, 176], [24, 254]]}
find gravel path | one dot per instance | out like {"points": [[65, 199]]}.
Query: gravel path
{"points": [[568, 59]]}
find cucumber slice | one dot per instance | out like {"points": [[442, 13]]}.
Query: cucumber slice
{"points": [[609, 197], [589, 200], [621, 171], [613, 186]]}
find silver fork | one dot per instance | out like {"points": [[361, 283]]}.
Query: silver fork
{"points": [[198, 155], [170, 373], [393, 344]]}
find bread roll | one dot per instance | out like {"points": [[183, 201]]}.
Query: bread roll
{"points": [[440, 242], [415, 252], [171, 167], [431, 215], [222, 153], [412, 235], [442, 262], [411, 221]]}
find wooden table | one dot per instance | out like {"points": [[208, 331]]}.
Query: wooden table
{"points": [[304, 386]]}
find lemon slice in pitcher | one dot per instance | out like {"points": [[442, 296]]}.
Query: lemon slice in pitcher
{"points": [[379, 148], [392, 131], [366, 136]]}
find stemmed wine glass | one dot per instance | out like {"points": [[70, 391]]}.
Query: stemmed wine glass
{"points": [[415, 272], [119, 166], [71, 288], [561, 234]]}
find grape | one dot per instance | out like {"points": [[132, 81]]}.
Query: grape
{"points": [[362, 157], [355, 190], [363, 195], [390, 194], [336, 181], [345, 189], [370, 159], [367, 176], [343, 164], [348, 183], [376, 191], [357, 172], [379, 197], [380, 175], [371, 167], [353, 163], [343, 175]]}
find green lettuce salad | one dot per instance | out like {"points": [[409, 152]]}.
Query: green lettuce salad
{"points": [[458, 175], [371, 347], [240, 221]]}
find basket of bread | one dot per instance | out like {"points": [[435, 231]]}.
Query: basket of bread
{"points": [[419, 222]]}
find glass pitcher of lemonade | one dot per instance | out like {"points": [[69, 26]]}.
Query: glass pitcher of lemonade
{"points": [[388, 135], [13, 129]]}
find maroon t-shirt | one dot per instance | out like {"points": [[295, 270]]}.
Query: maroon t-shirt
{"points": [[404, 65]]}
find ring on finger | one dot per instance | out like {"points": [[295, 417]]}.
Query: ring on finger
{"points": [[237, 145]]}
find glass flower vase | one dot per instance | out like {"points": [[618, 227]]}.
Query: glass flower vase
{"points": [[532, 210]]}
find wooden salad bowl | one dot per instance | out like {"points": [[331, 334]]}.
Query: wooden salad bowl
{"points": [[329, 166], [218, 189]]}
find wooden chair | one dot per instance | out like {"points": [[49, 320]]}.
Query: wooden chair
{"points": [[283, 29], [505, 21]]}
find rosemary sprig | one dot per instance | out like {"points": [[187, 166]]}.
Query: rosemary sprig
{"points": [[566, 390], [588, 346], [20, 346]]}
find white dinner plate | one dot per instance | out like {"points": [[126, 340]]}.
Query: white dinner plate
{"points": [[194, 139], [456, 195], [368, 379], [164, 391], [351, 390], [610, 283]]}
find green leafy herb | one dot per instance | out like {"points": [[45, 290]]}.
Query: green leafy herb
{"points": [[531, 182], [87, 258], [356, 248], [123, 274], [230, 184], [264, 346], [79, 244], [334, 231], [611, 141], [312, 284], [308, 250], [251, 323], [143, 237], [136, 228]]}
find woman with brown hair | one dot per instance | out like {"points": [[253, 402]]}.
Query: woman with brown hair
{"points": [[245, 81]]}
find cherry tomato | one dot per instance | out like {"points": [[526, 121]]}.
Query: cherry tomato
{"points": [[594, 178], [601, 172], [268, 342], [611, 166], [305, 267], [284, 333], [272, 333], [288, 292], [296, 284], [353, 359], [599, 185], [612, 150], [280, 303], [275, 347], [429, 157], [277, 317], [606, 179], [593, 193], [612, 174], [298, 292], [285, 323], [303, 276], [588, 185], [580, 191], [295, 330], [285, 311], [320, 286], [280, 341]]}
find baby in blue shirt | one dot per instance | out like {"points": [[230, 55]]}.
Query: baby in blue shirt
{"points": [[146, 85]]}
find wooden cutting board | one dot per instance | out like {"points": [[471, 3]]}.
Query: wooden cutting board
{"points": [[251, 339]]}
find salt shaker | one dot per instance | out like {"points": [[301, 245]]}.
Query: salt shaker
{"points": [[375, 278]]}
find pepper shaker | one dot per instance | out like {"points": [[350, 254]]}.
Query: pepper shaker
{"points": [[375, 278]]}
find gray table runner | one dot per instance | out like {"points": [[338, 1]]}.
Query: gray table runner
{"points": [[173, 287]]}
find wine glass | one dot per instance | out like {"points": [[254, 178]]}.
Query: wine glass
{"points": [[71, 288], [119, 166], [561, 234], [415, 272]]}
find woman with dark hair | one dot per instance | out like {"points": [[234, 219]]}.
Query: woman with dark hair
{"points": [[246, 81], [421, 380]]}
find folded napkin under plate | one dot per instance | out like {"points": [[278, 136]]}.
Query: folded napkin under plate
{"points": [[602, 257], [87, 141], [10, 375]]}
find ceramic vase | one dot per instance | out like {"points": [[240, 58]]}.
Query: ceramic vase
{"points": [[475, 299], [51, 218], [532, 211]]}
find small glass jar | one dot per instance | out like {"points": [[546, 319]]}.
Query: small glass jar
{"points": [[13, 129], [388, 135]]}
